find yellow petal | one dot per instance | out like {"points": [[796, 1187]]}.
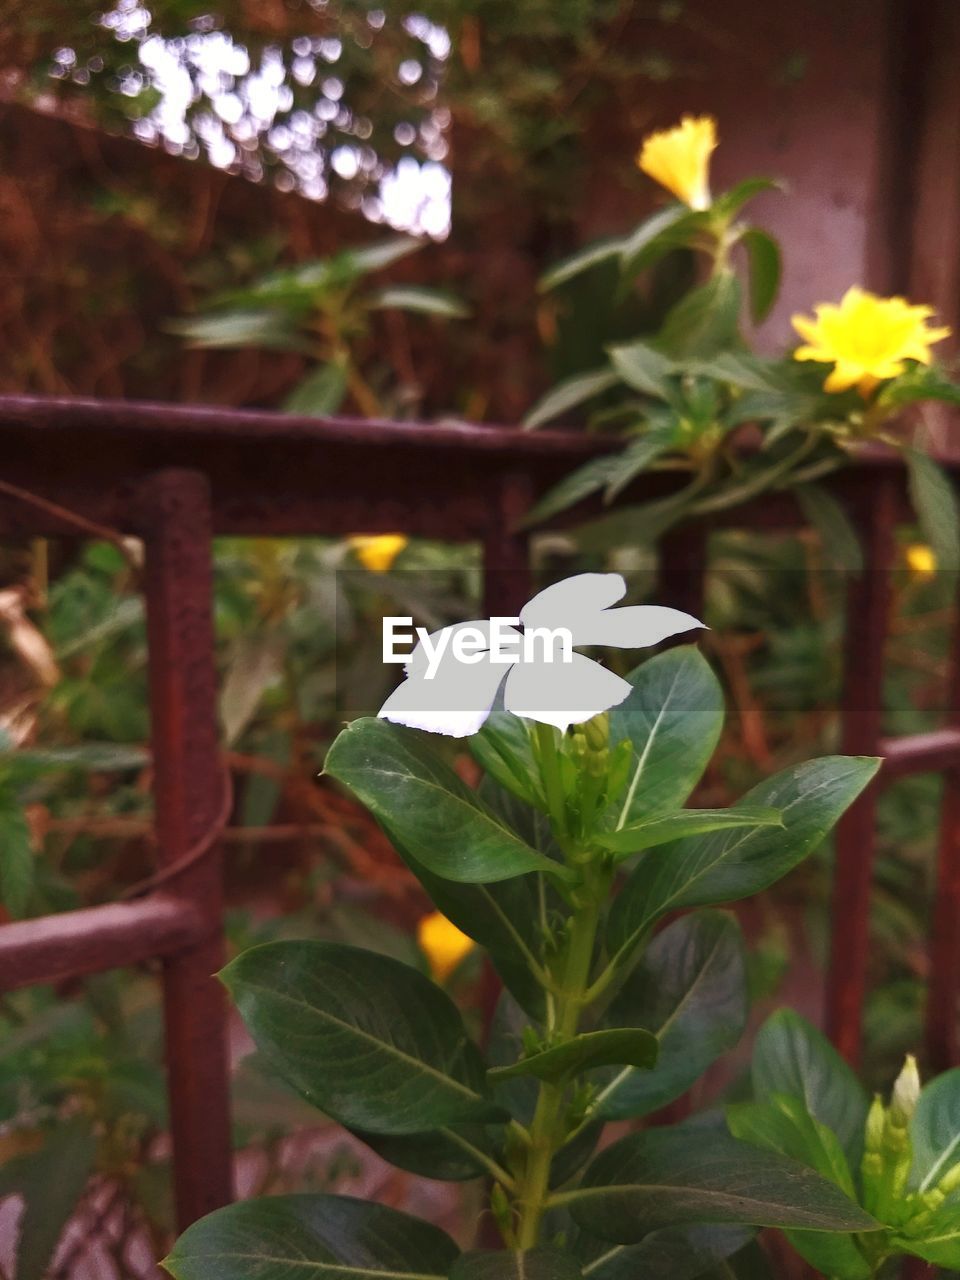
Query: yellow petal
{"points": [[679, 159], [377, 553], [921, 560], [443, 944]]}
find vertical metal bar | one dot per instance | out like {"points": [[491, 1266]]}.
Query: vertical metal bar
{"points": [[188, 785], [944, 987], [506, 552], [681, 574], [868, 604]]}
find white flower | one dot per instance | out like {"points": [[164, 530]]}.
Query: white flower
{"points": [[553, 687]]}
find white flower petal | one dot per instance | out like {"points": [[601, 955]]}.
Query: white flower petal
{"points": [[563, 693], [561, 604], [634, 627]]}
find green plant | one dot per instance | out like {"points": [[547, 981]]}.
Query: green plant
{"points": [[320, 309], [602, 1020], [681, 395]]}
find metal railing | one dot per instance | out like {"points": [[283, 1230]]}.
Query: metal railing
{"points": [[177, 476]]}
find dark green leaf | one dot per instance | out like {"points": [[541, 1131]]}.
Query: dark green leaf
{"points": [[582, 260], [673, 718], [935, 1131], [673, 1253], [705, 320], [321, 392], [368, 1040], [838, 538], [668, 1177], [763, 253], [688, 822], [792, 1057], [739, 369], [579, 484], [633, 1046], [935, 502], [430, 302], [426, 807], [672, 227], [311, 1237], [703, 870], [690, 990], [503, 749], [568, 395], [436, 1154], [638, 455], [507, 1264]]}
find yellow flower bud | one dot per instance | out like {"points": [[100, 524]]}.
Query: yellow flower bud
{"points": [[443, 944], [679, 159], [377, 553]]}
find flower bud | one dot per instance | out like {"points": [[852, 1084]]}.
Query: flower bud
{"points": [[873, 1130], [950, 1180], [597, 732], [906, 1093]]}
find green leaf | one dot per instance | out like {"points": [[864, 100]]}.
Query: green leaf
{"points": [[436, 1154], [507, 1264], [940, 1241], [838, 538], [503, 749], [688, 822], [582, 260], [311, 1237], [935, 502], [638, 455], [643, 368], [673, 718], [426, 807], [669, 228], [673, 1253], [705, 320], [366, 1039], [633, 1046], [935, 1131], [250, 328], [690, 990], [668, 1177], [920, 383], [568, 395], [51, 1181], [763, 254], [792, 1057], [738, 369], [321, 392], [99, 757], [16, 856], [732, 201], [725, 866], [429, 302], [384, 253]]}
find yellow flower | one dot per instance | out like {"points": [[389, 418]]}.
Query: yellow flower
{"points": [[378, 553], [679, 159], [443, 944], [921, 560], [866, 338]]}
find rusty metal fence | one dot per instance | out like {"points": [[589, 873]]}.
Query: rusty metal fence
{"points": [[177, 476]]}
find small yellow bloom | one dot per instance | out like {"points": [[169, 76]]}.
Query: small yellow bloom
{"points": [[867, 339], [921, 560], [443, 944], [378, 553], [679, 159]]}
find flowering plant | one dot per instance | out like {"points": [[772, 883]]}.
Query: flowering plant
{"points": [[576, 845], [681, 396]]}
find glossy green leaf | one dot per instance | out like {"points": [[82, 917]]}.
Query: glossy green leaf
{"points": [[936, 505], [436, 1154], [504, 750], [673, 718], [935, 1131], [673, 1253], [569, 394], [417, 298], [727, 865], [763, 254], [790, 1056], [311, 1237], [507, 1264], [582, 260], [643, 368], [839, 541], [631, 1046], [668, 1177], [366, 1039], [321, 392], [426, 806], [705, 320], [690, 990], [688, 822]]}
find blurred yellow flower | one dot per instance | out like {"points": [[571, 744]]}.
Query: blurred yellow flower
{"points": [[443, 944], [378, 553], [921, 560], [866, 338], [679, 159]]}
